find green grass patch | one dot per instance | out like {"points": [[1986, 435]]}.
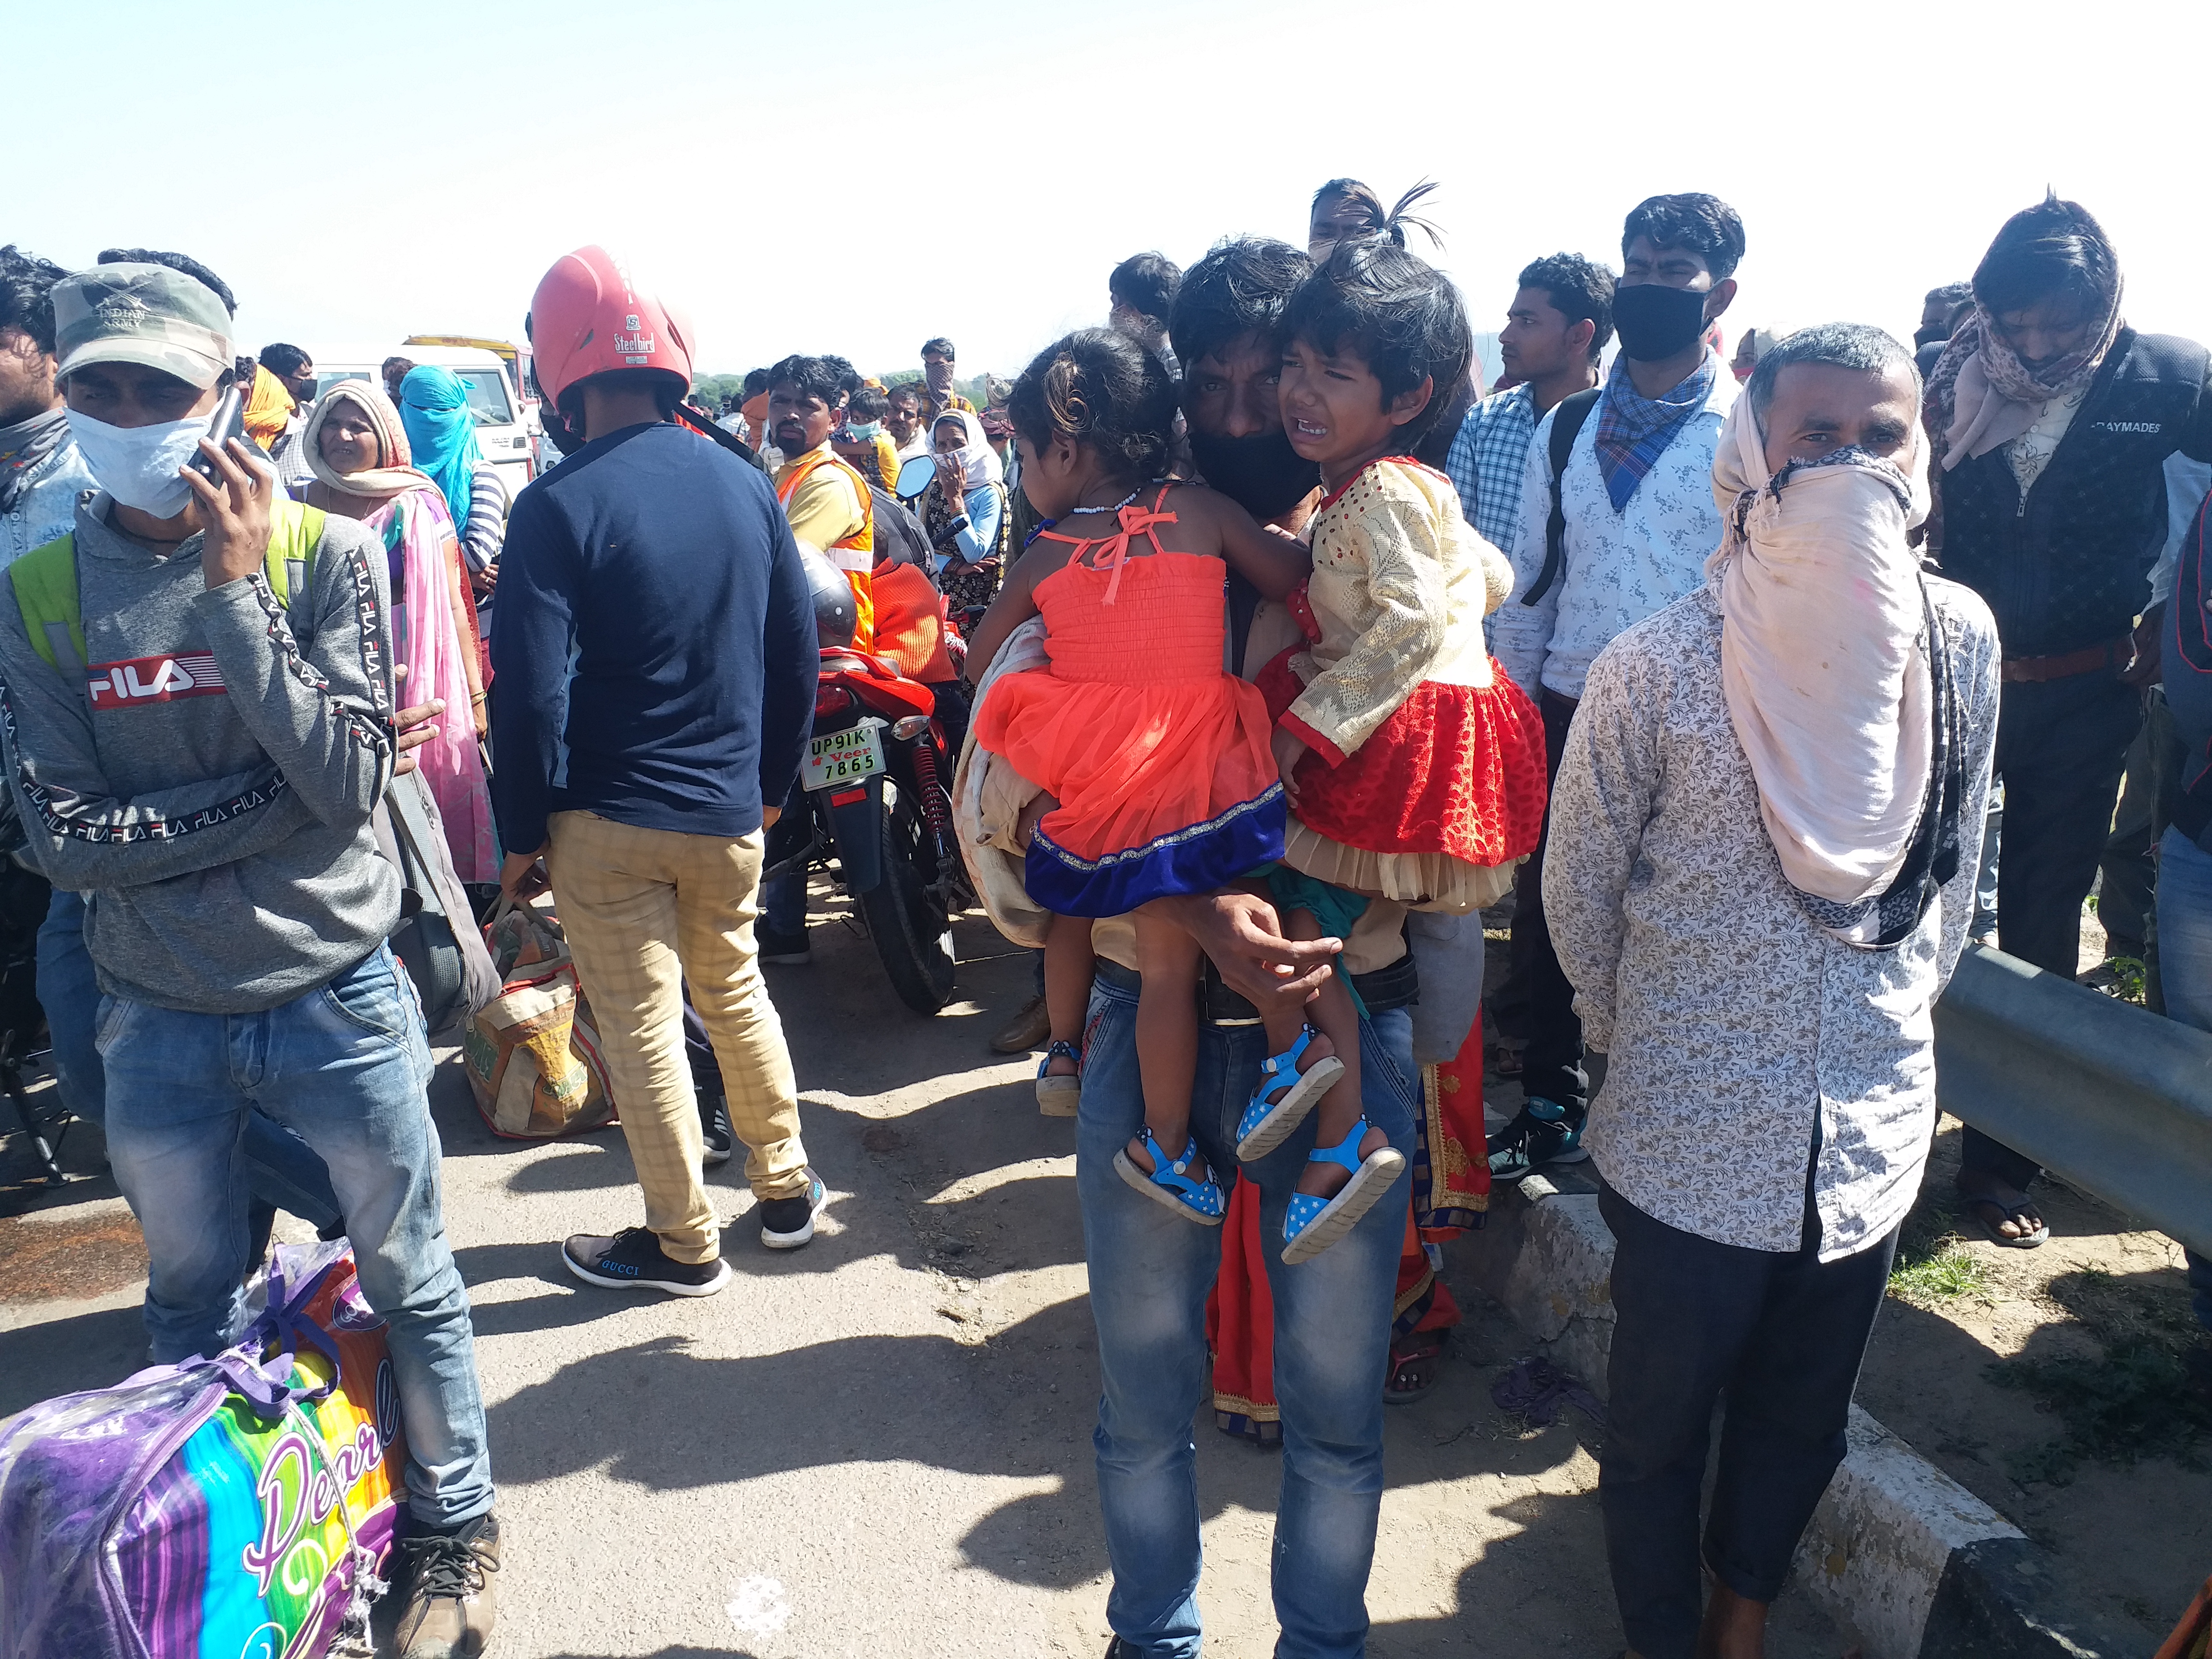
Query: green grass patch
{"points": [[1942, 1273], [2129, 1396]]}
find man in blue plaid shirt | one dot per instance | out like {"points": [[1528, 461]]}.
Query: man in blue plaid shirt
{"points": [[1559, 323], [1560, 320]]}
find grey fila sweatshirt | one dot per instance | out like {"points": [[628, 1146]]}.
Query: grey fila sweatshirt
{"points": [[210, 788]]}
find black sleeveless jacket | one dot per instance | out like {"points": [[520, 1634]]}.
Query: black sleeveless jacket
{"points": [[2071, 566]]}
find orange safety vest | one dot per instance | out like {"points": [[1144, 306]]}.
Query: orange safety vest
{"points": [[854, 555], [911, 624]]}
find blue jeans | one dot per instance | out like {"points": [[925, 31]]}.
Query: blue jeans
{"points": [[345, 1067], [783, 903], [1150, 1275], [2183, 894], [281, 1170]]}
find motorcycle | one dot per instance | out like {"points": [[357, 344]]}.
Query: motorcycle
{"points": [[874, 797]]}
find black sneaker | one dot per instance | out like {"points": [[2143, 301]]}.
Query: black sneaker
{"points": [[634, 1260], [1543, 1132], [786, 949], [789, 1223], [714, 1126]]}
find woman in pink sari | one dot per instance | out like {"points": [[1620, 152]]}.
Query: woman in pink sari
{"points": [[358, 450]]}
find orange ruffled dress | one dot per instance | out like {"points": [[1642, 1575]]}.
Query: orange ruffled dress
{"points": [[1158, 757]]}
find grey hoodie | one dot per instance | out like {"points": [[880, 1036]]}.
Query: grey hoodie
{"points": [[210, 791]]}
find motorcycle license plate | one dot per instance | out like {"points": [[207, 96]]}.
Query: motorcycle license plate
{"points": [[838, 757]]}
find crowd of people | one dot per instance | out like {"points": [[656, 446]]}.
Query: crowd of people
{"points": [[1760, 686]]}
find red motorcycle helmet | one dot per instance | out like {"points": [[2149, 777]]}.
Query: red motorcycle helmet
{"points": [[588, 317]]}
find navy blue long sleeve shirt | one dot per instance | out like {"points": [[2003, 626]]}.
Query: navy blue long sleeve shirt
{"points": [[653, 643]]}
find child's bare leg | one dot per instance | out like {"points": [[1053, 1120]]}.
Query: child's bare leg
{"points": [[1167, 1038], [1332, 1013], [1068, 965]]}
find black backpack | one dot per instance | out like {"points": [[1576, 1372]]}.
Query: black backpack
{"points": [[1566, 425]]}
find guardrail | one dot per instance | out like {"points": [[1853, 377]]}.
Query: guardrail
{"points": [[2116, 1099]]}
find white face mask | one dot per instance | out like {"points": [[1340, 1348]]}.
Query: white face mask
{"points": [[138, 465]]}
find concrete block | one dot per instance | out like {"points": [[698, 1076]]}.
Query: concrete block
{"points": [[1876, 1551], [1546, 1257]]}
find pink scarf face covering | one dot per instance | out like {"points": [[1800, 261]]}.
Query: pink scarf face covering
{"points": [[1823, 654], [1980, 395]]}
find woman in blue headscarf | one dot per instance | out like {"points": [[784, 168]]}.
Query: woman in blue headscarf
{"points": [[433, 407]]}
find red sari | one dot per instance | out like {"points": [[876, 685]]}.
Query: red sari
{"points": [[1451, 1191]]}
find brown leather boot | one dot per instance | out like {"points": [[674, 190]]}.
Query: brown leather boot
{"points": [[451, 1603]]}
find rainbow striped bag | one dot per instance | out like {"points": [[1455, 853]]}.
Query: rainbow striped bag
{"points": [[240, 1507]]}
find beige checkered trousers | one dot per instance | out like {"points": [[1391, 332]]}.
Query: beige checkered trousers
{"points": [[649, 912]]}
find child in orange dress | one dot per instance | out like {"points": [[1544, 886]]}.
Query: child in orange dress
{"points": [[1155, 759], [1414, 767]]}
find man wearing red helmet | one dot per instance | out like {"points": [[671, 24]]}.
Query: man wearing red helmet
{"points": [[656, 662]]}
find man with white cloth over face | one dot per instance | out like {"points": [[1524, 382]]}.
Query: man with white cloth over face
{"points": [[1757, 887]]}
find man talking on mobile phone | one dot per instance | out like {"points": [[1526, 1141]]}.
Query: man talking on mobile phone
{"points": [[195, 696]]}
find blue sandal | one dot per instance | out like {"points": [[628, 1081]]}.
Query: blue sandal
{"points": [[1166, 1183], [1312, 1225], [1268, 1124], [1059, 1096]]}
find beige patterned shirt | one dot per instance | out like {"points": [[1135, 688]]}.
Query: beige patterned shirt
{"points": [[1745, 1046]]}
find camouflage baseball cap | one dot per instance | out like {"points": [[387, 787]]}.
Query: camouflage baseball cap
{"points": [[148, 314]]}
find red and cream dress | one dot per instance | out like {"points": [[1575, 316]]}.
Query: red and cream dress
{"points": [[1426, 779]]}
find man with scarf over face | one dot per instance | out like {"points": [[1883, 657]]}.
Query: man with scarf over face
{"points": [[1774, 772], [41, 474], [2070, 455], [1638, 524]]}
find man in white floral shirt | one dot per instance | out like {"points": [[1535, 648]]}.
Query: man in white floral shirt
{"points": [[1637, 523], [1756, 887]]}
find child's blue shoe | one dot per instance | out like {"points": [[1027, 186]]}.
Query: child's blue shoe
{"points": [[1166, 1183], [1059, 1096], [1315, 1224], [1266, 1124]]}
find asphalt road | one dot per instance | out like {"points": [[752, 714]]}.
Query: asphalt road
{"points": [[879, 1444]]}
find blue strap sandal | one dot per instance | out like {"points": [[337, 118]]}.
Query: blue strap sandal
{"points": [[1312, 1225], [1166, 1183], [1268, 1124], [1058, 1097]]}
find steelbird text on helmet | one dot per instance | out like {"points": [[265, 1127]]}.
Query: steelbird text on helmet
{"points": [[589, 317]]}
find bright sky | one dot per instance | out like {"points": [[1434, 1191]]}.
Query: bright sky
{"points": [[361, 173]]}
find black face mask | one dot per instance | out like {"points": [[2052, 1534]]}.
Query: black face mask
{"points": [[1924, 336], [1654, 322], [1262, 474]]}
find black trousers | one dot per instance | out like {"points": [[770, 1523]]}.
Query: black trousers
{"points": [[2062, 745], [1536, 1004], [1782, 1334]]}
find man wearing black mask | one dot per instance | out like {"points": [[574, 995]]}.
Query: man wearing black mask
{"points": [[1223, 332], [1222, 327], [1633, 506]]}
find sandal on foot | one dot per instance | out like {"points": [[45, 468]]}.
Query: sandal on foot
{"points": [[1414, 1364], [1315, 1224], [1166, 1183], [1266, 1124], [1983, 1207], [1058, 1096]]}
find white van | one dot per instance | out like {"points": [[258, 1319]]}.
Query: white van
{"points": [[502, 423]]}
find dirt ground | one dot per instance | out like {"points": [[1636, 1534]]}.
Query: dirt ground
{"points": [[881, 1443]]}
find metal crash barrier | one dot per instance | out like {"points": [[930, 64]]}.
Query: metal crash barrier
{"points": [[2116, 1099]]}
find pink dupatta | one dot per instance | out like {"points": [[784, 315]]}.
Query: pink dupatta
{"points": [[416, 527]]}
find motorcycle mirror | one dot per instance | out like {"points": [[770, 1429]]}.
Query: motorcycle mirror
{"points": [[916, 476]]}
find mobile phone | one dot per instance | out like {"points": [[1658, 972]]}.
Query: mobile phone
{"points": [[228, 421]]}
